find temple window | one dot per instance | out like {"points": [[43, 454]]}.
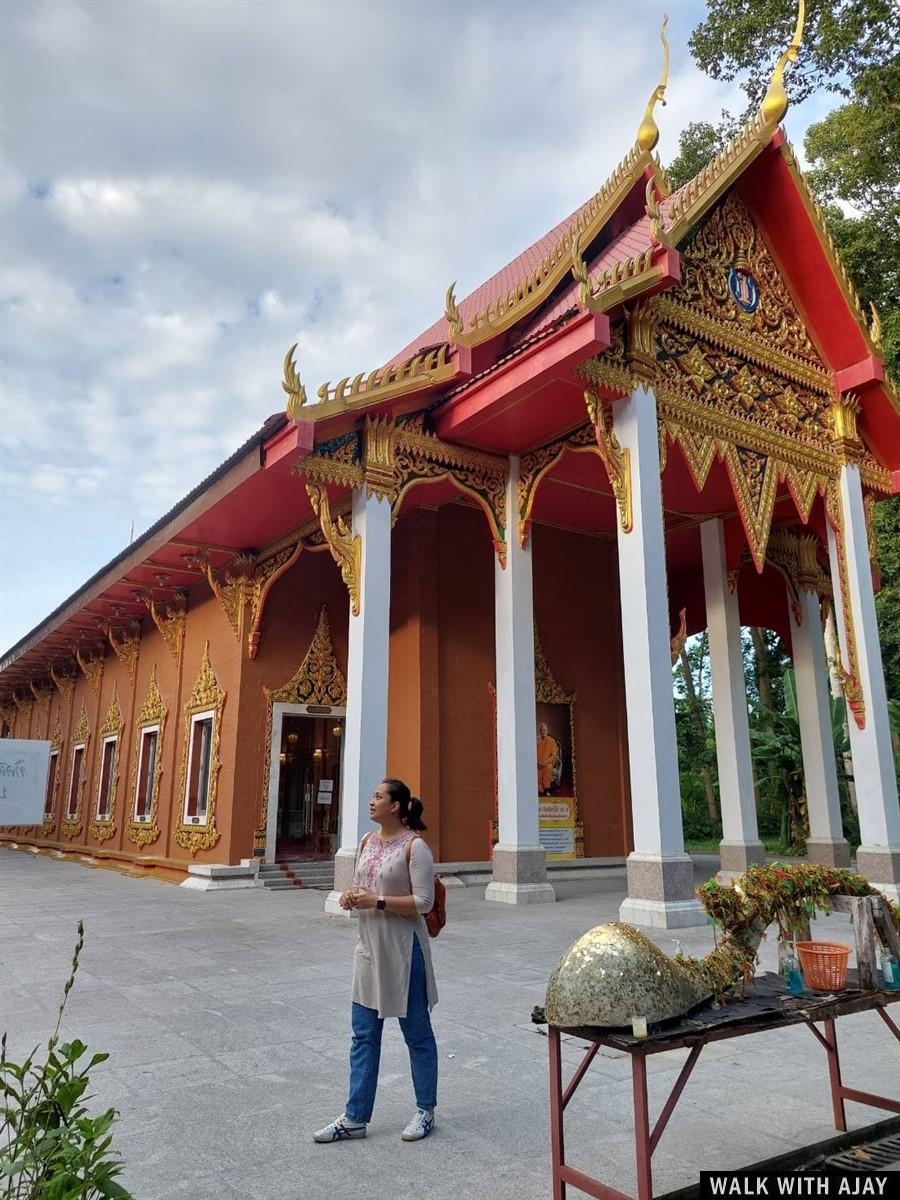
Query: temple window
{"points": [[198, 773], [75, 781], [51, 782], [143, 796], [107, 777]]}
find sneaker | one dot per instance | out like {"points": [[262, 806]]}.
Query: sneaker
{"points": [[420, 1126], [340, 1130]]}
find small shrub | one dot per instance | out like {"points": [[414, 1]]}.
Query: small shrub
{"points": [[55, 1150]]}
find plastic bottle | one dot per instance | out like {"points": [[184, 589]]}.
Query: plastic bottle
{"points": [[890, 972], [791, 973]]}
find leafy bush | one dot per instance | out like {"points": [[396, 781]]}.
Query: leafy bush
{"points": [[55, 1149]]}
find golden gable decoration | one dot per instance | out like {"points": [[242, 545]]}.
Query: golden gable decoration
{"points": [[70, 826], [206, 696], [103, 828], [153, 713]]}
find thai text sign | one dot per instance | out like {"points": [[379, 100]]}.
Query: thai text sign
{"points": [[24, 766], [557, 827]]}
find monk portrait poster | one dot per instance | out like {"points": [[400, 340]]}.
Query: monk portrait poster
{"points": [[554, 750]]}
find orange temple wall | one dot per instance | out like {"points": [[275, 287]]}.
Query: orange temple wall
{"points": [[441, 713]]}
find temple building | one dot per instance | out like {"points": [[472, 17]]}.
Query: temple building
{"points": [[471, 568]]}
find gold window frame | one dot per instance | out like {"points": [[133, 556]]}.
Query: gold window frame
{"points": [[206, 697], [152, 716], [71, 824], [103, 828]]}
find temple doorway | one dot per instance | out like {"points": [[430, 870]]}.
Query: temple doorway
{"points": [[304, 782]]}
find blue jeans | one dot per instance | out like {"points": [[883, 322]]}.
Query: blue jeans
{"points": [[365, 1050]]}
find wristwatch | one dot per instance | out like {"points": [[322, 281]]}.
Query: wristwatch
{"points": [[380, 903]]}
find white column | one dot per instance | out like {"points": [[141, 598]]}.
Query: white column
{"points": [[519, 873], [660, 874], [365, 728], [740, 846], [878, 857], [826, 843]]}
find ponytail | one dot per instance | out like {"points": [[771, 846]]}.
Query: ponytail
{"points": [[410, 807]]}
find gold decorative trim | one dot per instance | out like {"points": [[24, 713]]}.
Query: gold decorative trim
{"points": [[296, 392], [337, 464], [42, 696], [345, 546], [48, 824], [128, 647], [266, 574], [153, 713], [618, 283], [729, 337], [535, 466], [421, 457], [206, 696], [70, 826], [851, 681], [379, 452], [501, 314], [92, 667], [546, 689], [775, 101], [65, 684], [616, 460], [170, 621], [425, 370], [842, 414], [318, 680], [648, 133], [103, 828]]}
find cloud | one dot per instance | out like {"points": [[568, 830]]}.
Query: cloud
{"points": [[187, 189]]}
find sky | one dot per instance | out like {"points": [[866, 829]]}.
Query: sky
{"points": [[187, 187]]}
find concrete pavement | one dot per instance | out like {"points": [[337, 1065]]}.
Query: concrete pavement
{"points": [[227, 1018]]}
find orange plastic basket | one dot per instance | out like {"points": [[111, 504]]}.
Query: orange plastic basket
{"points": [[824, 965]]}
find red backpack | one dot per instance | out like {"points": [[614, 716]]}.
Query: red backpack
{"points": [[436, 918]]}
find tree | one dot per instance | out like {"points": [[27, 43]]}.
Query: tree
{"points": [[851, 48]]}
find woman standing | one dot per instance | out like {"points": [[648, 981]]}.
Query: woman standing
{"points": [[393, 887]]}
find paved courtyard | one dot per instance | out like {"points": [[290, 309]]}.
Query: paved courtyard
{"points": [[227, 1019]]}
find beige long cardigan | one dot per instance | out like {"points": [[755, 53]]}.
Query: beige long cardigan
{"points": [[381, 963]]}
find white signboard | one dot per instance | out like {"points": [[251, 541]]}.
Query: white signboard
{"points": [[24, 767], [558, 841]]}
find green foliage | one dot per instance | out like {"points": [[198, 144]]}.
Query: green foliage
{"points": [[887, 601], [841, 40], [55, 1149], [778, 764]]}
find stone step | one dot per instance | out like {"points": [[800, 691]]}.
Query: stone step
{"points": [[285, 876]]}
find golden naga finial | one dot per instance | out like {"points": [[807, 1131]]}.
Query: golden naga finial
{"points": [[775, 101], [654, 212], [452, 313], [648, 134], [580, 272], [292, 385], [875, 327]]}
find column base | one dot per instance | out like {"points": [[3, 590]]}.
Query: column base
{"points": [[736, 857], [661, 892], [520, 893], [828, 852], [344, 870], [881, 866], [662, 914], [519, 876]]}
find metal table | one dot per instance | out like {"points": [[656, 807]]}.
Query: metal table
{"points": [[766, 1006]]}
